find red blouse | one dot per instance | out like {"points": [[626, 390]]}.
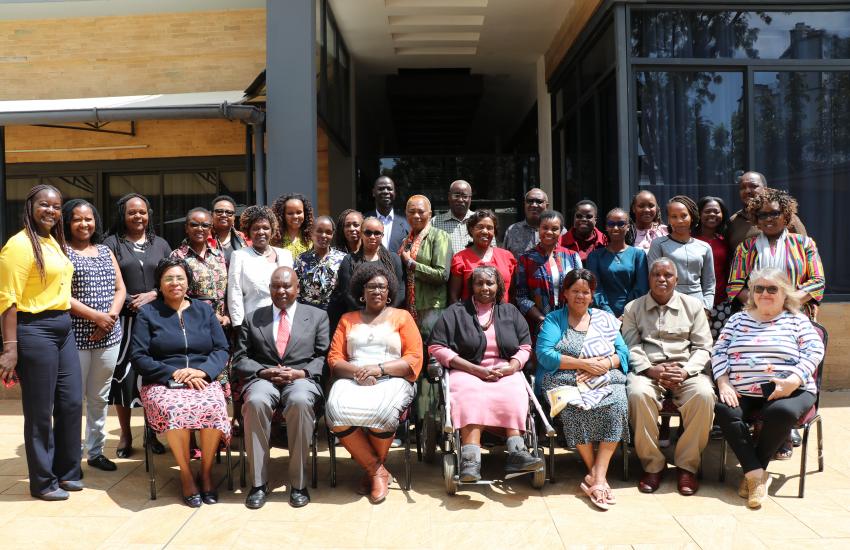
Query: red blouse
{"points": [[467, 260], [720, 250]]}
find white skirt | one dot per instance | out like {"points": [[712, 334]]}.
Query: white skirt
{"points": [[377, 407]]}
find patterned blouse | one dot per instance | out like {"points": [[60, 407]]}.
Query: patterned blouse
{"points": [[537, 285], [296, 246], [210, 276], [318, 277], [93, 284]]}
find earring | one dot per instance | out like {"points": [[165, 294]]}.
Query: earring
{"points": [[362, 299], [389, 301]]}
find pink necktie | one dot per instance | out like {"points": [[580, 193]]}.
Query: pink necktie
{"points": [[282, 333]]}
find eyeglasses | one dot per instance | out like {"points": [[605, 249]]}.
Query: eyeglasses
{"points": [[535, 201], [768, 215], [616, 224], [195, 225], [370, 233], [585, 216], [223, 212], [174, 279], [760, 289], [463, 196], [376, 288]]}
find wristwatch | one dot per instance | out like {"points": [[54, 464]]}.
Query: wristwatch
{"points": [[381, 366]]}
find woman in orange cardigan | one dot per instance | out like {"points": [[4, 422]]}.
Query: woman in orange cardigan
{"points": [[375, 358]]}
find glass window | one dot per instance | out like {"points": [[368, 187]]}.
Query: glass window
{"points": [[691, 132], [598, 59], [234, 184], [802, 139], [147, 185], [741, 34], [17, 190], [184, 191]]}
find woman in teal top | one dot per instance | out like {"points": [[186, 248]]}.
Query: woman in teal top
{"points": [[620, 269]]}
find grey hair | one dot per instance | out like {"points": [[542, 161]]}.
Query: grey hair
{"points": [[793, 297], [663, 260]]}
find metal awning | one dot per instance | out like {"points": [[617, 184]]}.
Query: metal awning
{"points": [[198, 105]]}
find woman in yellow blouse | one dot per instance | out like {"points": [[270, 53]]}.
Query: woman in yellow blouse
{"points": [[295, 219], [35, 304]]}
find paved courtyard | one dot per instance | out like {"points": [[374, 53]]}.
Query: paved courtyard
{"points": [[115, 511]]}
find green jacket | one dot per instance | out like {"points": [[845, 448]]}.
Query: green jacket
{"points": [[432, 270]]}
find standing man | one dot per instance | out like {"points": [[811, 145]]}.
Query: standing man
{"points": [[583, 238], [453, 222], [524, 235], [396, 227], [740, 226], [669, 346], [280, 357]]}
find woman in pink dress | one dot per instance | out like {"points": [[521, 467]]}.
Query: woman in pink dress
{"points": [[482, 226], [484, 343]]}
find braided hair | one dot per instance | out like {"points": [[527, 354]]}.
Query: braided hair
{"points": [[691, 207], [119, 226], [57, 231], [339, 237], [383, 254], [279, 208]]}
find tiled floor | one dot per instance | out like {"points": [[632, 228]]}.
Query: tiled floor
{"points": [[114, 511]]}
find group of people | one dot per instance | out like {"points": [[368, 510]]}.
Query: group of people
{"points": [[285, 311]]}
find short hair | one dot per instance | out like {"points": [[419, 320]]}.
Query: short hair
{"points": [[552, 215], [167, 263], [787, 203], [663, 260], [68, 211], [488, 270], [196, 210], [328, 219], [339, 236], [793, 297], [481, 214], [759, 175], [723, 212], [367, 271], [586, 202], [220, 198], [577, 275], [690, 206], [423, 198], [253, 214], [279, 208], [545, 195]]}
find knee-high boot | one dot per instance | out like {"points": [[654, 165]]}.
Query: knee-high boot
{"points": [[381, 443], [357, 445]]}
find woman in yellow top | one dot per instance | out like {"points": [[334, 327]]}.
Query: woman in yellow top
{"points": [[35, 304], [295, 219]]}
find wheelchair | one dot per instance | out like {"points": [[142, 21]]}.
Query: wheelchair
{"points": [[438, 431]]}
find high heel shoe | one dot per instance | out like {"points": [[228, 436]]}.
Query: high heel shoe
{"points": [[155, 445], [209, 497], [193, 501]]}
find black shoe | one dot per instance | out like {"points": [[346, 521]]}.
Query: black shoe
{"points": [[102, 463], [257, 497], [796, 438], [193, 501], [209, 497], [157, 448], [71, 485], [299, 497], [124, 452], [57, 494], [522, 461]]}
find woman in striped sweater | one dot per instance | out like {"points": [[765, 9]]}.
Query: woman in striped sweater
{"points": [[764, 361]]}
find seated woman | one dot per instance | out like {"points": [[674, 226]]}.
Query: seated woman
{"points": [[581, 347], [179, 348], [770, 342], [485, 343], [375, 358]]}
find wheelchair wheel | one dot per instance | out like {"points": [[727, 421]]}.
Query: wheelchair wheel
{"points": [[449, 471], [429, 438], [539, 477]]}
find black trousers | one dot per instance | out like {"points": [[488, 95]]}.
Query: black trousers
{"points": [[778, 417], [52, 398]]}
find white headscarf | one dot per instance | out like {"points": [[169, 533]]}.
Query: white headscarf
{"points": [[772, 258]]}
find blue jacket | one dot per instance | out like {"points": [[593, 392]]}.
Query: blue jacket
{"points": [[158, 347], [553, 328]]}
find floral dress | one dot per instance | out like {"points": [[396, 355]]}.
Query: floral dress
{"points": [[318, 277], [210, 276]]}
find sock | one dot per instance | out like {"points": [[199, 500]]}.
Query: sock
{"points": [[470, 452], [515, 444]]}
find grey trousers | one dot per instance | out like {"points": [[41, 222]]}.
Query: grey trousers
{"points": [[260, 400]]}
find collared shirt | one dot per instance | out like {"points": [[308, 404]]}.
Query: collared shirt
{"points": [[521, 237], [456, 228], [596, 240], [21, 283], [673, 332], [209, 275], [290, 315], [388, 227]]}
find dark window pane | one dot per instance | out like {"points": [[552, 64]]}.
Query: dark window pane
{"points": [[588, 167], [233, 184], [119, 185], [17, 190], [598, 59], [802, 137], [691, 136], [569, 166], [184, 191], [741, 34]]}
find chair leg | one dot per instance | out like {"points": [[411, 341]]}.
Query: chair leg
{"points": [[819, 427], [625, 447], [551, 460], [722, 474], [407, 465], [243, 457], [804, 448], [332, 452], [229, 460], [314, 462], [149, 463]]}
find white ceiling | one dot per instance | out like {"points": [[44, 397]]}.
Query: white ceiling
{"points": [[60, 9]]}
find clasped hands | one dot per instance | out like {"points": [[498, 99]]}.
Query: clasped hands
{"points": [[367, 375], [104, 323], [193, 378], [591, 367], [281, 375], [496, 372], [669, 375]]}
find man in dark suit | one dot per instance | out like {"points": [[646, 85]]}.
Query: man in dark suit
{"points": [[395, 223], [280, 356]]}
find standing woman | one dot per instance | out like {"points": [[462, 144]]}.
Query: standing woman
{"points": [[251, 268], [138, 251], [646, 223], [693, 258], [35, 297], [318, 269], [348, 235], [224, 235], [371, 251], [97, 296], [713, 220], [482, 226], [295, 219], [620, 269], [540, 272]]}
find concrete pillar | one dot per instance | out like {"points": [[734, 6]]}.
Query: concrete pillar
{"points": [[291, 98], [544, 128]]}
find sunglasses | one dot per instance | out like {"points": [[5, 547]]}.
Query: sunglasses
{"points": [[223, 212], [370, 233], [616, 224], [195, 225], [759, 289], [585, 216], [768, 215]]}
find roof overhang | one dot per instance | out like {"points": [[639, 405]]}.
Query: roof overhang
{"points": [[200, 105]]}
